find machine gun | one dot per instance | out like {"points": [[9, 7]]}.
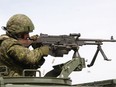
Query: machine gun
{"points": [[62, 44]]}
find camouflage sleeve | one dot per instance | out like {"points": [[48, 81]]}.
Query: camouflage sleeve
{"points": [[21, 53]]}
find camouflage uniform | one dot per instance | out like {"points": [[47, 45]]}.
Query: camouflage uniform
{"points": [[13, 54]]}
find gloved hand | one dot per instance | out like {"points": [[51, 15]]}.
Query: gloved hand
{"points": [[34, 37], [45, 50]]}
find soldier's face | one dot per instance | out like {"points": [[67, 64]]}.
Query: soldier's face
{"points": [[24, 40], [26, 36]]}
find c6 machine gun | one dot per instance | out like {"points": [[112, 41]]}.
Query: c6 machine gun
{"points": [[62, 44]]}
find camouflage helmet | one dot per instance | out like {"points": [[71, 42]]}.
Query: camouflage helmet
{"points": [[19, 23]]}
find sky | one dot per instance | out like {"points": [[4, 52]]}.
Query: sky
{"points": [[91, 18]]}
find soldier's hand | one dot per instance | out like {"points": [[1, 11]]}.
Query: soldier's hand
{"points": [[45, 50], [34, 37]]}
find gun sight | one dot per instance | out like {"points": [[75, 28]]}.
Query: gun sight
{"points": [[75, 34]]}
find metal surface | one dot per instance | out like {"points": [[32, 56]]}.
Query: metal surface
{"points": [[34, 81], [50, 82]]}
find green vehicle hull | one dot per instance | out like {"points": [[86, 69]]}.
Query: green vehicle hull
{"points": [[50, 82]]}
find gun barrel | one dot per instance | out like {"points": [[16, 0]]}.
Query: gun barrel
{"points": [[82, 41], [97, 40]]}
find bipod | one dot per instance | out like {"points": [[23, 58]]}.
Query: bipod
{"points": [[95, 56]]}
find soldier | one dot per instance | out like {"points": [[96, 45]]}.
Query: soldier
{"points": [[14, 51]]}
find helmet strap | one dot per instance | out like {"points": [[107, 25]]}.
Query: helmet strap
{"points": [[9, 33]]}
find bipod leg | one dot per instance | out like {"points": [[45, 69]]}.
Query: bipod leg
{"points": [[103, 54], [94, 58]]}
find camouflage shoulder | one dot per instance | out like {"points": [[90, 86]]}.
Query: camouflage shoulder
{"points": [[9, 42], [3, 37]]}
